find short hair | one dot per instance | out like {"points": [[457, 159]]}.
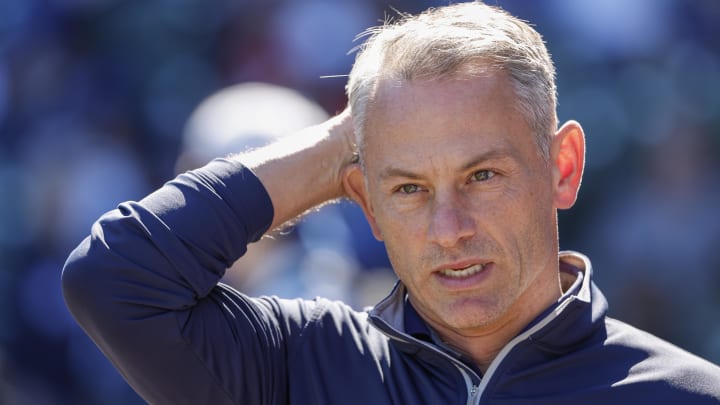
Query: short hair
{"points": [[465, 38]]}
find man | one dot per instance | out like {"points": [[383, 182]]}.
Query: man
{"points": [[460, 171]]}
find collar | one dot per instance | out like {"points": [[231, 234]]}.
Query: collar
{"points": [[415, 326]]}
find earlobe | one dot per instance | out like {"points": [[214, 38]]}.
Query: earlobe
{"points": [[568, 160], [356, 188]]}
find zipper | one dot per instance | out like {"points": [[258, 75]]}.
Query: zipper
{"points": [[473, 389], [469, 376], [495, 364]]}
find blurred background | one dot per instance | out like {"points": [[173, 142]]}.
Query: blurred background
{"points": [[102, 101]]}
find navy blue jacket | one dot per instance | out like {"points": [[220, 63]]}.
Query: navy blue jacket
{"points": [[145, 286]]}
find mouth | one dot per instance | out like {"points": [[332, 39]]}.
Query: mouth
{"points": [[464, 276], [462, 272]]}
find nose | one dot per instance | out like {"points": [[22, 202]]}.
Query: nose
{"points": [[451, 221]]}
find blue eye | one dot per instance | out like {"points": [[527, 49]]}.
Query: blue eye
{"points": [[409, 188], [483, 175]]}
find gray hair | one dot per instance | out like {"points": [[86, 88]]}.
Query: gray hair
{"points": [[465, 38]]}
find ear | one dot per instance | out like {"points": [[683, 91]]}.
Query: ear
{"points": [[356, 188], [567, 155]]}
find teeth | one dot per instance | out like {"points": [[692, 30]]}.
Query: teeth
{"points": [[466, 272]]}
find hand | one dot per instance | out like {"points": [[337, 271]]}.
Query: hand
{"points": [[340, 127], [304, 170]]}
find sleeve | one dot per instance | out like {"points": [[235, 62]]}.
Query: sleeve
{"points": [[144, 286]]}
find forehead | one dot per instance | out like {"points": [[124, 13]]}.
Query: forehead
{"points": [[480, 92], [430, 119]]}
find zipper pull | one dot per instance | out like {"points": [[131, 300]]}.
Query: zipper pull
{"points": [[473, 393]]}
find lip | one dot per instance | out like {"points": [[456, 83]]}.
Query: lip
{"points": [[463, 283]]}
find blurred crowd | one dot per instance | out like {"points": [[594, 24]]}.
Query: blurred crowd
{"points": [[101, 101]]}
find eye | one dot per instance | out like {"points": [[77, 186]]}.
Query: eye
{"points": [[482, 175], [409, 188]]}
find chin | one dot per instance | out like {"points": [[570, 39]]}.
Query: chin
{"points": [[471, 319]]}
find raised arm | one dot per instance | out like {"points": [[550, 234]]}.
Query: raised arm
{"points": [[144, 284]]}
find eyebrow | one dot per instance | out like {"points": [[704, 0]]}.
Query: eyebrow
{"points": [[495, 154], [392, 171]]}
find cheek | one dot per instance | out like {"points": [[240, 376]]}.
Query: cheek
{"points": [[398, 222], [535, 225], [516, 217], [399, 231], [403, 238]]}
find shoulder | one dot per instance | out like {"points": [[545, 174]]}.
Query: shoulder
{"points": [[655, 362], [652, 348], [321, 312], [323, 328]]}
